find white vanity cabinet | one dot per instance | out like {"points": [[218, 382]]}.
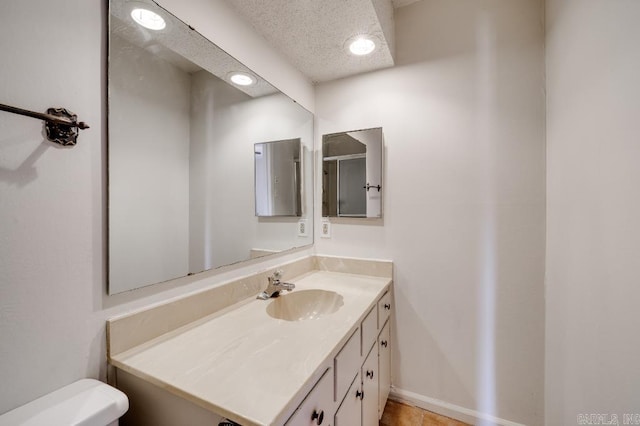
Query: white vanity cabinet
{"points": [[369, 369], [331, 370], [360, 379]]}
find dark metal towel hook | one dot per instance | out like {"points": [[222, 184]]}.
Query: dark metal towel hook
{"points": [[368, 187], [61, 125]]}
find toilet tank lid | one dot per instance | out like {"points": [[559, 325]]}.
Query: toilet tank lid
{"points": [[87, 402]]}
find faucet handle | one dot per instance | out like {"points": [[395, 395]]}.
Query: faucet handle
{"points": [[277, 274]]}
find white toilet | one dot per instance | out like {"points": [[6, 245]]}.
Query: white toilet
{"points": [[87, 402]]}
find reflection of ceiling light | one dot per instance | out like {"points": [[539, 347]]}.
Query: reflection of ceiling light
{"points": [[148, 19], [361, 45], [242, 79]]}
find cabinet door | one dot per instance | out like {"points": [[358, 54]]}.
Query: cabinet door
{"points": [[384, 367], [350, 412], [317, 407], [370, 398], [346, 364]]}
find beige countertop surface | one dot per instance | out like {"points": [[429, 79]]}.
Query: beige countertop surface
{"points": [[248, 366]]}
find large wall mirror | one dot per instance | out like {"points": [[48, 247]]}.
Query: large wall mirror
{"points": [[352, 174], [181, 153]]}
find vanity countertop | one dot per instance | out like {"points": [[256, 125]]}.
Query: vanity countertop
{"points": [[246, 365]]}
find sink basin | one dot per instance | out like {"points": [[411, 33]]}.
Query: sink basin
{"points": [[305, 305]]}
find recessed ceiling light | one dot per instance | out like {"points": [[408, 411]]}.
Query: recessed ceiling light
{"points": [[242, 79], [148, 19], [361, 45]]}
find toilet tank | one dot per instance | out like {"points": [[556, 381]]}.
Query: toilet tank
{"points": [[87, 402]]}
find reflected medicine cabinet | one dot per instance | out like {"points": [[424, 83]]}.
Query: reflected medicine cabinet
{"points": [[352, 174], [278, 176]]}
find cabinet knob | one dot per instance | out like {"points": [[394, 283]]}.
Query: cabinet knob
{"points": [[318, 417], [384, 343], [370, 374], [359, 394], [387, 306]]}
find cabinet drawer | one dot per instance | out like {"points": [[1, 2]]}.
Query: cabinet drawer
{"points": [[369, 330], [384, 309], [347, 365], [317, 407]]}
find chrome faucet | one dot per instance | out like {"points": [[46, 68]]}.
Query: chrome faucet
{"points": [[275, 286]]}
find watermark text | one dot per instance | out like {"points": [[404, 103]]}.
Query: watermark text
{"points": [[609, 419]]}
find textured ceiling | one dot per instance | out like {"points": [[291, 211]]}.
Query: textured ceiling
{"points": [[312, 34], [180, 45]]}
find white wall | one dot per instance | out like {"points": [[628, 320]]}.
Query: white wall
{"points": [[149, 131], [53, 302], [593, 234], [463, 120]]}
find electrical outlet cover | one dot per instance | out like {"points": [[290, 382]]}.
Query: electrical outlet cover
{"points": [[325, 230], [302, 228]]}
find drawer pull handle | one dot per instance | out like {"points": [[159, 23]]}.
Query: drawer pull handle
{"points": [[384, 343], [359, 394], [387, 306], [370, 374], [318, 417]]}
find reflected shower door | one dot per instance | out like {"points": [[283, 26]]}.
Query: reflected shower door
{"points": [[352, 196]]}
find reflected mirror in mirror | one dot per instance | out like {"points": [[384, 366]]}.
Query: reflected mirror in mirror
{"points": [[277, 175], [352, 173], [181, 152]]}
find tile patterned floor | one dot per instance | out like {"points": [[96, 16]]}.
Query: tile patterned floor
{"points": [[398, 414]]}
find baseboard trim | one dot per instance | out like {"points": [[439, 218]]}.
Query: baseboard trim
{"points": [[447, 409]]}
